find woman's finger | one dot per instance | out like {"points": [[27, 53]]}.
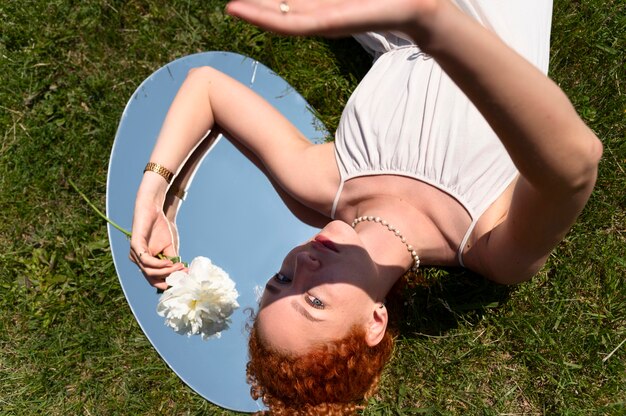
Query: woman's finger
{"points": [[153, 267], [328, 18], [140, 255], [156, 275], [287, 17], [152, 262], [158, 283]]}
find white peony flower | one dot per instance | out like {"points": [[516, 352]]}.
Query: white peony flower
{"points": [[199, 302]]}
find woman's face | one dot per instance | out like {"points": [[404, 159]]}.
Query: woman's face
{"points": [[323, 288]]}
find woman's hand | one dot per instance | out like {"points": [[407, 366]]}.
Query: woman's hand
{"points": [[154, 239], [334, 17]]}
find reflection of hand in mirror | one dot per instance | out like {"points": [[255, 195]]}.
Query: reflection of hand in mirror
{"points": [[178, 190]]}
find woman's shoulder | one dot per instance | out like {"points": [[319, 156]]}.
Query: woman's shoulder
{"points": [[310, 181]]}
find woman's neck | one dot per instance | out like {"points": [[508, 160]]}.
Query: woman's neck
{"points": [[386, 248], [431, 220]]}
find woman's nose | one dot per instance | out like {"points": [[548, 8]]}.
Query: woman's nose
{"points": [[306, 262]]}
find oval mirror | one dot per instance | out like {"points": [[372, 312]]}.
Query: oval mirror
{"points": [[231, 215]]}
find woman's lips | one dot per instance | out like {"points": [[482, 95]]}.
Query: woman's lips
{"points": [[326, 242]]}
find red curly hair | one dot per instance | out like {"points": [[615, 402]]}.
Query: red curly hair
{"points": [[332, 379]]}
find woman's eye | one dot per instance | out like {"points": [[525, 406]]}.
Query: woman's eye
{"points": [[315, 302], [281, 278]]}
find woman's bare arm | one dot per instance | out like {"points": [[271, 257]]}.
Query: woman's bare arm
{"points": [[555, 152], [206, 99]]}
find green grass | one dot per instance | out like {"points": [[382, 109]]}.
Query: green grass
{"points": [[68, 342]]}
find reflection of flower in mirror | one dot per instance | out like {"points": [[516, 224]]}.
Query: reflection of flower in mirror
{"points": [[200, 301]]}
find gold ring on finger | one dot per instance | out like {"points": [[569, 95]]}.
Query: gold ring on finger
{"points": [[284, 7]]}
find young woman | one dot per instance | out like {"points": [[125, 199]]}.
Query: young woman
{"points": [[455, 149]]}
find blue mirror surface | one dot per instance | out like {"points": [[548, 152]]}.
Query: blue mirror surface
{"points": [[231, 215]]}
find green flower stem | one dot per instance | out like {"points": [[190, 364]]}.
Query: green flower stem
{"points": [[126, 232], [175, 259]]}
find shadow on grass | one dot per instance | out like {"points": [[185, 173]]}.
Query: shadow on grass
{"points": [[351, 58], [446, 299]]}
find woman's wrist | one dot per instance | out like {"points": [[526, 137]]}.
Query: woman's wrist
{"points": [[153, 187], [430, 24]]}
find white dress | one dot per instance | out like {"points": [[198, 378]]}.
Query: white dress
{"points": [[407, 117]]}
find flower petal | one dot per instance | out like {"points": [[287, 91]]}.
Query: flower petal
{"points": [[199, 302]]}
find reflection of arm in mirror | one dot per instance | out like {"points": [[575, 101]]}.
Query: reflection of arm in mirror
{"points": [[181, 183]]}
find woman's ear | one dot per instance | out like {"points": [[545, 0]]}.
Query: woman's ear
{"points": [[377, 325]]}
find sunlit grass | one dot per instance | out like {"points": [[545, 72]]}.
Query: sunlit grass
{"points": [[68, 342]]}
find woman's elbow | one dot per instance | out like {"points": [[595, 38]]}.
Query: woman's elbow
{"points": [[586, 173], [509, 278], [593, 159], [201, 73], [597, 148]]}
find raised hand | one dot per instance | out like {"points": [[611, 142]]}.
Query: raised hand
{"points": [[333, 17]]}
